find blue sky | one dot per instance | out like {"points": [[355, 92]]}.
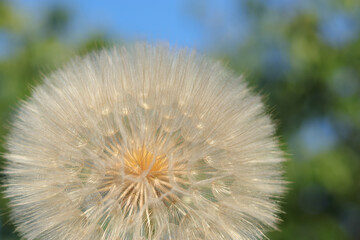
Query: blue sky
{"points": [[175, 21], [201, 24]]}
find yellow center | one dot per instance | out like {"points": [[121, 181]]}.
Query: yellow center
{"points": [[141, 162], [141, 175]]}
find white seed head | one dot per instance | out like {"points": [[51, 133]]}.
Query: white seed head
{"points": [[143, 143]]}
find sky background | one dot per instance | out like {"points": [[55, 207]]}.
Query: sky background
{"points": [[175, 21], [202, 24]]}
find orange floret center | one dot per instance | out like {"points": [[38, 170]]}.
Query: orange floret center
{"points": [[141, 162]]}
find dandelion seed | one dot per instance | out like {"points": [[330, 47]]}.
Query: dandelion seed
{"points": [[143, 143]]}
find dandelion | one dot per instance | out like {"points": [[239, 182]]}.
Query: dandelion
{"points": [[143, 143]]}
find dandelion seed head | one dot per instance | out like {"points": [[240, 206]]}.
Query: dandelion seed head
{"points": [[145, 142]]}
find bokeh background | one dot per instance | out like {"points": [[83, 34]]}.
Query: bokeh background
{"points": [[302, 55]]}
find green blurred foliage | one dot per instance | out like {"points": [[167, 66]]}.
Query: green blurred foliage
{"points": [[309, 68], [311, 80]]}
